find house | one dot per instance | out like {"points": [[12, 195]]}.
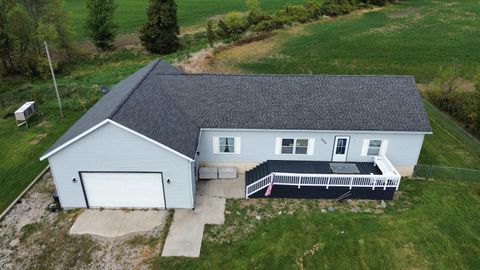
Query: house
{"points": [[311, 136]]}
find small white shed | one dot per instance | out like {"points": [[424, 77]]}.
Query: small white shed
{"points": [[26, 111]]}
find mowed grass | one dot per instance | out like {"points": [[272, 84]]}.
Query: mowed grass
{"points": [[131, 14], [432, 225], [411, 37], [450, 145]]}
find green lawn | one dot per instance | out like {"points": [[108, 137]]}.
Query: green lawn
{"points": [[433, 225], [411, 37], [132, 13]]}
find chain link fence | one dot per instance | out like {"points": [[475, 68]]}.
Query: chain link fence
{"points": [[446, 173]]}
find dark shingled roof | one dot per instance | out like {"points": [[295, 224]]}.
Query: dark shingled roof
{"points": [[170, 107]]}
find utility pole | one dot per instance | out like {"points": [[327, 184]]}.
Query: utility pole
{"points": [[53, 77]]}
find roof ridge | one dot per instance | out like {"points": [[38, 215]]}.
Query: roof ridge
{"points": [[134, 88]]}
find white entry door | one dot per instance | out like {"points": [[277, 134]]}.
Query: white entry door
{"points": [[123, 189], [340, 148]]}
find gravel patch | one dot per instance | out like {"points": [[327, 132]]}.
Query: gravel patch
{"points": [[32, 237]]}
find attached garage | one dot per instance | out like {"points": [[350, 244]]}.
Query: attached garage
{"points": [[123, 189]]}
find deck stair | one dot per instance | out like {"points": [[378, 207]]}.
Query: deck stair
{"points": [[257, 173]]}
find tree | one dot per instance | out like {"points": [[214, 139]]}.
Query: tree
{"points": [[211, 35], [24, 26], [159, 34], [101, 28], [5, 41]]}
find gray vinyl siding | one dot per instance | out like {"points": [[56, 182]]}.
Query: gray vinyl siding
{"points": [[111, 148], [259, 146]]}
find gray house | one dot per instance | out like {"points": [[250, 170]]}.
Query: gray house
{"points": [[303, 136]]}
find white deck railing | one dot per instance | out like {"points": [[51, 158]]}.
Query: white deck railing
{"points": [[389, 178]]}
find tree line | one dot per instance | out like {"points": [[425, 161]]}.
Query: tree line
{"points": [[448, 94], [26, 24]]}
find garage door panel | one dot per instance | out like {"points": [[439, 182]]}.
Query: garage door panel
{"points": [[124, 190]]}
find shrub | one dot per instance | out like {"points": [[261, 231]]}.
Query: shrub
{"points": [[294, 13], [270, 25], [255, 17], [211, 34], [232, 25], [314, 10], [337, 7]]}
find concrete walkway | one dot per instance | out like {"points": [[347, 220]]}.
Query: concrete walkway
{"points": [[186, 231], [115, 223]]}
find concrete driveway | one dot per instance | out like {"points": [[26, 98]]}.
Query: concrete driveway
{"points": [[186, 231], [115, 223]]}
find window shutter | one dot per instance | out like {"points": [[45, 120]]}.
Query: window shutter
{"points": [[216, 145], [311, 146], [384, 147], [278, 146], [238, 145], [365, 147]]}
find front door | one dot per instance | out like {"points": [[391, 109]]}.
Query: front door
{"points": [[340, 148]]}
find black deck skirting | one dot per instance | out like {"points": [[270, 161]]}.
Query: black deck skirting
{"points": [[308, 192]]}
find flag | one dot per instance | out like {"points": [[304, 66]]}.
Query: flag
{"points": [[269, 189]]}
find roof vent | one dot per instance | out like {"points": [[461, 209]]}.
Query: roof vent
{"points": [[105, 89]]}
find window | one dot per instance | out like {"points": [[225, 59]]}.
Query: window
{"points": [[294, 146], [341, 146], [227, 145], [374, 147]]}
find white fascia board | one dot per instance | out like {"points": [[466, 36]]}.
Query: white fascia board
{"points": [[118, 125], [74, 139], [316, 131]]}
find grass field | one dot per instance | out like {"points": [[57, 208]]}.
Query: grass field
{"points": [[411, 37], [132, 13], [433, 225]]}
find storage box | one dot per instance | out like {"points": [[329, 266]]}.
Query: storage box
{"points": [[208, 173], [227, 173]]}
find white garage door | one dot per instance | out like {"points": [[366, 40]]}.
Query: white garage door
{"points": [[128, 190]]}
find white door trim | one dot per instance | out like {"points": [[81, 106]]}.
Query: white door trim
{"points": [[82, 173], [340, 157]]}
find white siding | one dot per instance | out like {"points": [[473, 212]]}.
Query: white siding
{"points": [[111, 148], [258, 146]]}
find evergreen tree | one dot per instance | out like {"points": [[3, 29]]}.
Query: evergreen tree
{"points": [[159, 34], [101, 28]]}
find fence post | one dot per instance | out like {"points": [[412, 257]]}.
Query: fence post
{"points": [[328, 183], [299, 181], [351, 182], [429, 174], [385, 186], [374, 183]]}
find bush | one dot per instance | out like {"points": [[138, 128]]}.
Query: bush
{"points": [[256, 17], [294, 13], [270, 25], [314, 10], [232, 25], [337, 7]]}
